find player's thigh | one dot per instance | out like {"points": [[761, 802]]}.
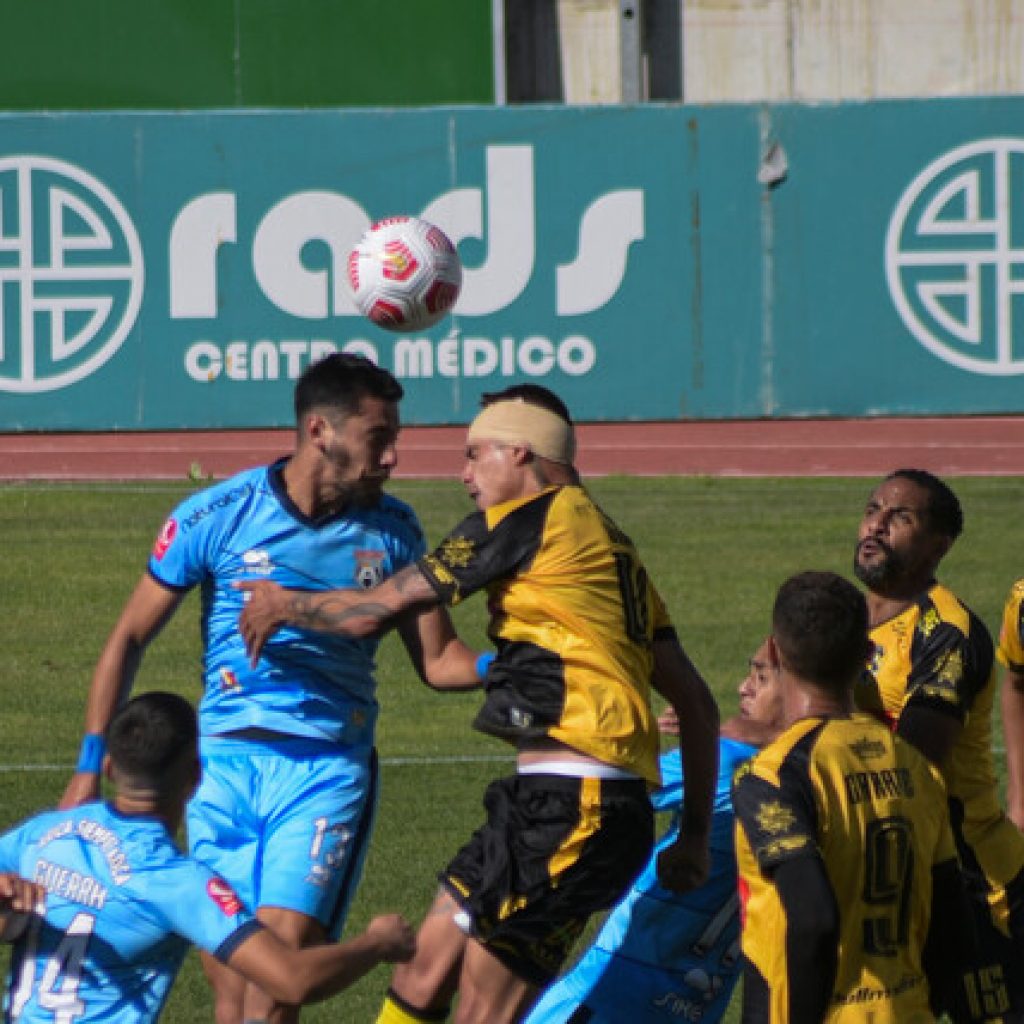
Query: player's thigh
{"points": [[428, 981], [490, 993], [223, 830], [317, 823], [553, 851], [292, 928]]}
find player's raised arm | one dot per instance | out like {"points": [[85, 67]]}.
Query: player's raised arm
{"points": [[684, 864], [145, 613], [352, 613]]}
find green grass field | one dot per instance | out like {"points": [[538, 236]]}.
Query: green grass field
{"points": [[70, 554]]}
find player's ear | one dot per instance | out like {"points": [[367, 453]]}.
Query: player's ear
{"points": [[315, 428], [521, 454]]}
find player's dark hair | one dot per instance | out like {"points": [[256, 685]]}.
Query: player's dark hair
{"points": [[151, 737], [341, 381], [945, 514], [820, 623], [532, 394]]}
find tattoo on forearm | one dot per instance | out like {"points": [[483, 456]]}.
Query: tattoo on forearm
{"points": [[410, 579], [335, 615]]}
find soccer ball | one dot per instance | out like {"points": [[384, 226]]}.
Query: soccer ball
{"points": [[405, 274]]}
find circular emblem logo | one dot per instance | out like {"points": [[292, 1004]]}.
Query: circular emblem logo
{"points": [[954, 257], [71, 274]]}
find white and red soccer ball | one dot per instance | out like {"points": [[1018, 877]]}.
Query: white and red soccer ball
{"points": [[405, 274]]}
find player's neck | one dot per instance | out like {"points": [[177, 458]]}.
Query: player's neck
{"points": [[303, 483], [888, 602], [146, 804], [805, 700]]}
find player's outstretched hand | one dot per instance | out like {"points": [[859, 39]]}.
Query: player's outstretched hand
{"points": [[265, 610], [83, 788], [397, 940], [17, 893], [684, 865], [18, 898]]}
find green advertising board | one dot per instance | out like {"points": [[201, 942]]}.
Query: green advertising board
{"points": [[163, 270]]}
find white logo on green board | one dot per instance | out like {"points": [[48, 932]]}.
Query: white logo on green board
{"points": [[71, 274], [954, 257], [502, 215]]}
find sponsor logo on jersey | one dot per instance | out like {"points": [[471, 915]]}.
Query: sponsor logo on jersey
{"points": [[875, 660], [165, 539], [228, 680], [224, 896], [952, 670], [441, 574], [230, 497], [519, 718], [868, 749], [369, 568], [257, 563]]}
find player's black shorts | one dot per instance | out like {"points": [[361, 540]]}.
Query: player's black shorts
{"points": [[1002, 949], [554, 850]]}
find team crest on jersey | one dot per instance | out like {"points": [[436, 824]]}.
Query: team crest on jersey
{"points": [[457, 552], [773, 818], [224, 896], [165, 539], [369, 568]]}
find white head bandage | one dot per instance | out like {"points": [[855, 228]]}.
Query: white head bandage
{"points": [[517, 422]]}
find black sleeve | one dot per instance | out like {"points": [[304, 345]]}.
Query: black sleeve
{"points": [[950, 667], [485, 547], [812, 936]]}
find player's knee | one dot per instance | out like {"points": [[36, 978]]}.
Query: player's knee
{"points": [[227, 1009], [425, 983]]}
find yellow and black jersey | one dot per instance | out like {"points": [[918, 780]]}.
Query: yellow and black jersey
{"points": [[850, 792], [1011, 634], [573, 617], [939, 654]]}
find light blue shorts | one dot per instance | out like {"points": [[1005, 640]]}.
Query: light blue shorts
{"points": [[286, 820]]}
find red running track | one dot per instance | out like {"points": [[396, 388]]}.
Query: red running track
{"points": [[975, 446]]}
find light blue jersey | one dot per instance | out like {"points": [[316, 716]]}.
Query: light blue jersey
{"points": [[660, 956], [247, 528], [122, 905]]}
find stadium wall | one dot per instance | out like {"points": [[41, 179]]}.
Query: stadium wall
{"points": [[165, 270]]}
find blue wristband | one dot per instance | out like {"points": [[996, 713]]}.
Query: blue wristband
{"points": [[483, 663], [90, 757]]}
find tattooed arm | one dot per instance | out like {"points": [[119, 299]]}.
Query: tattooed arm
{"points": [[352, 613]]}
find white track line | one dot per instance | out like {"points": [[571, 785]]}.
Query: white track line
{"points": [[399, 762]]}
